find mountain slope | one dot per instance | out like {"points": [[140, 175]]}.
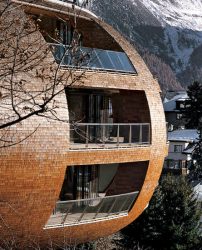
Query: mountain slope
{"points": [[170, 29]]}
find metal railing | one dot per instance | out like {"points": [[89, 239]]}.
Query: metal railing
{"points": [[109, 135], [87, 210]]}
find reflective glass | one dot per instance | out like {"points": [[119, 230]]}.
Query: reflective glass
{"points": [[79, 211], [127, 65], [104, 59], [86, 55], [58, 52], [92, 58], [115, 59]]}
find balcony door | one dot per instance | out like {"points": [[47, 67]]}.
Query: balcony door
{"points": [[89, 109], [81, 182], [65, 32], [98, 112], [86, 182]]}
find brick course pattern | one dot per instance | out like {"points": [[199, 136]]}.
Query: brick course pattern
{"points": [[32, 172]]}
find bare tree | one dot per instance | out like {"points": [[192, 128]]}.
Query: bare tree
{"points": [[30, 79]]}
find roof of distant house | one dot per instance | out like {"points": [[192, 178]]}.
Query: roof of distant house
{"points": [[170, 105], [187, 135], [189, 149]]}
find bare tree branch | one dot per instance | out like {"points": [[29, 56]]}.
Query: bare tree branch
{"points": [[23, 58]]}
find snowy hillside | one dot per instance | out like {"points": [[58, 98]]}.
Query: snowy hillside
{"points": [[178, 13], [170, 29]]}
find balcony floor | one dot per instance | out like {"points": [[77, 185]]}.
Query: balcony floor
{"points": [[82, 146], [58, 220]]}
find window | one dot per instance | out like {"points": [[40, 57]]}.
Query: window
{"points": [[173, 164], [177, 148], [179, 116], [81, 182], [182, 106], [78, 56], [67, 35]]}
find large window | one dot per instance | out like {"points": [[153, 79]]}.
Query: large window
{"points": [[89, 106], [91, 58], [173, 164], [81, 182], [87, 181]]}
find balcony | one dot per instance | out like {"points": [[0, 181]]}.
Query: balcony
{"points": [[74, 212], [108, 135], [92, 59]]}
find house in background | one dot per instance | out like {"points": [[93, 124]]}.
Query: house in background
{"points": [[180, 150], [174, 107]]}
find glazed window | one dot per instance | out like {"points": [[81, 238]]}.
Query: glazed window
{"points": [[92, 58], [67, 35], [173, 164], [182, 105], [177, 148], [80, 182], [179, 116]]}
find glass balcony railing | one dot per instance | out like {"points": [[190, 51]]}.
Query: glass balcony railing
{"points": [[109, 135], [93, 59], [82, 211]]}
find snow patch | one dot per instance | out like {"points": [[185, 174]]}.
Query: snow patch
{"points": [[178, 13]]}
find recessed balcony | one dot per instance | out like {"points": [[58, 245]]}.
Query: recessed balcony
{"points": [[92, 59], [92, 193], [74, 212], [107, 119]]}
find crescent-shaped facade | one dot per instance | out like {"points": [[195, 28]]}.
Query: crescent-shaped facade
{"points": [[93, 175]]}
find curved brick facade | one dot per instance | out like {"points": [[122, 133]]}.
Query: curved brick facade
{"points": [[32, 172]]}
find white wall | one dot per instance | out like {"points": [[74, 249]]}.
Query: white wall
{"points": [[176, 155]]}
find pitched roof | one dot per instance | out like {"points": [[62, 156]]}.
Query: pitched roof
{"points": [[186, 135], [170, 105], [189, 149]]}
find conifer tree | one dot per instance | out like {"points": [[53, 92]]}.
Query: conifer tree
{"points": [[193, 106], [193, 116], [170, 222]]}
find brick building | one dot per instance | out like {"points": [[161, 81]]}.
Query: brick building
{"points": [[93, 175]]}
